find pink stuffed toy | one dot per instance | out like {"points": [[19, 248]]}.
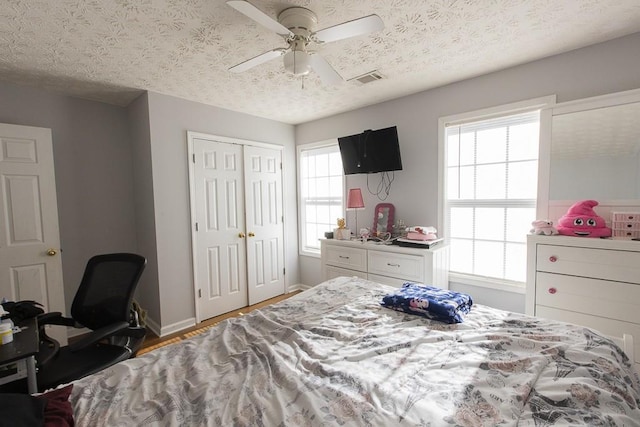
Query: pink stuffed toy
{"points": [[582, 221], [543, 226]]}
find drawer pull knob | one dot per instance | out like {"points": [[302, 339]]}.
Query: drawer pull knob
{"points": [[343, 257], [552, 291], [553, 258], [393, 265]]}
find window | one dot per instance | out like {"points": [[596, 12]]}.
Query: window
{"points": [[490, 192], [321, 193]]}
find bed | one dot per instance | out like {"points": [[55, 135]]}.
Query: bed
{"points": [[332, 355]]}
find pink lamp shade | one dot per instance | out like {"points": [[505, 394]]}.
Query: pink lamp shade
{"points": [[354, 201]]}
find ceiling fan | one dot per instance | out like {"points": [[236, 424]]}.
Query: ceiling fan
{"points": [[297, 26]]}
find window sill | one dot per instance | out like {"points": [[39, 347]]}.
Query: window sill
{"points": [[310, 254], [486, 282]]}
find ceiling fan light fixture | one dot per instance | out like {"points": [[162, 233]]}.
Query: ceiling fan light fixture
{"points": [[297, 62]]}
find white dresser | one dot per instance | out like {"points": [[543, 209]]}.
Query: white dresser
{"points": [[586, 281], [389, 264]]}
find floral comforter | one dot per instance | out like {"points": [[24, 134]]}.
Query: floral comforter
{"points": [[333, 355]]}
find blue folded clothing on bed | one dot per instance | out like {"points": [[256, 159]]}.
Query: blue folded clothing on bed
{"points": [[428, 301]]}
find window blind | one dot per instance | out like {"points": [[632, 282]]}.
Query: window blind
{"points": [[491, 188], [321, 182]]}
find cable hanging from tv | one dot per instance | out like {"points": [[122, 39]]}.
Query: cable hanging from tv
{"points": [[384, 186]]}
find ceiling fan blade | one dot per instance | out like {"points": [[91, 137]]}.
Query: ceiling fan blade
{"points": [[260, 17], [357, 27], [327, 74], [260, 59]]}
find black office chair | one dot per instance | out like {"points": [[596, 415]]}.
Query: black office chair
{"points": [[103, 305]]}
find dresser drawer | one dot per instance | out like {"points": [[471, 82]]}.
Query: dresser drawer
{"points": [[613, 300], [352, 258], [406, 267], [621, 266]]}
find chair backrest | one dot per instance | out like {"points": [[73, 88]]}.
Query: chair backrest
{"points": [[106, 290]]}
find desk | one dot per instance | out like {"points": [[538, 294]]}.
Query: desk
{"points": [[21, 352]]}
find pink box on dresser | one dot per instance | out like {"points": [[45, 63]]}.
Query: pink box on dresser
{"points": [[625, 224]]}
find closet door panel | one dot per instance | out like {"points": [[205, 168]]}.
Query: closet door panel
{"points": [[220, 256], [265, 230]]}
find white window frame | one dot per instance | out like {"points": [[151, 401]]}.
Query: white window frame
{"points": [[331, 143], [543, 104]]}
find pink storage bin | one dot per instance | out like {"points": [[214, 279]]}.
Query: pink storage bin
{"points": [[625, 216], [626, 233], [626, 225]]}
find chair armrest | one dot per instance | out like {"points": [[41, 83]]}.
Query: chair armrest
{"points": [[48, 350], [55, 318], [97, 335]]}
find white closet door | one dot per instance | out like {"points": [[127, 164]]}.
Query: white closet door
{"points": [[220, 256], [265, 230], [30, 262]]}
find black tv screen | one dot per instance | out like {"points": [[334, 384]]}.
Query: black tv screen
{"points": [[371, 151], [351, 151]]}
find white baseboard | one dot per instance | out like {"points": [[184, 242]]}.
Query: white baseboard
{"points": [[177, 327], [153, 326], [162, 331], [298, 287]]}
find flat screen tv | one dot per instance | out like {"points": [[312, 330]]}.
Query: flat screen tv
{"points": [[371, 151]]}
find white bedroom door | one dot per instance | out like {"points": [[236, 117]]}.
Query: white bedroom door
{"points": [[30, 260], [220, 254], [265, 231], [238, 231]]}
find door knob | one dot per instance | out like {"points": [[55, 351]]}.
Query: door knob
{"points": [[241, 235], [252, 234], [51, 252]]}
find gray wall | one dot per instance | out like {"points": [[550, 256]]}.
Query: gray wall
{"points": [[92, 156], [604, 68], [148, 292], [170, 118], [122, 184]]}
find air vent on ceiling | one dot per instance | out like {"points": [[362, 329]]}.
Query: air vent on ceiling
{"points": [[369, 77]]}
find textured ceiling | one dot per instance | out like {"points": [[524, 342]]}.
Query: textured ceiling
{"points": [[111, 50]]}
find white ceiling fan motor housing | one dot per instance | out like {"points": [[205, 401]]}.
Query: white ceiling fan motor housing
{"points": [[301, 22]]}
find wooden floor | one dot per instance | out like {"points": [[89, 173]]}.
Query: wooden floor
{"points": [[152, 342]]}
